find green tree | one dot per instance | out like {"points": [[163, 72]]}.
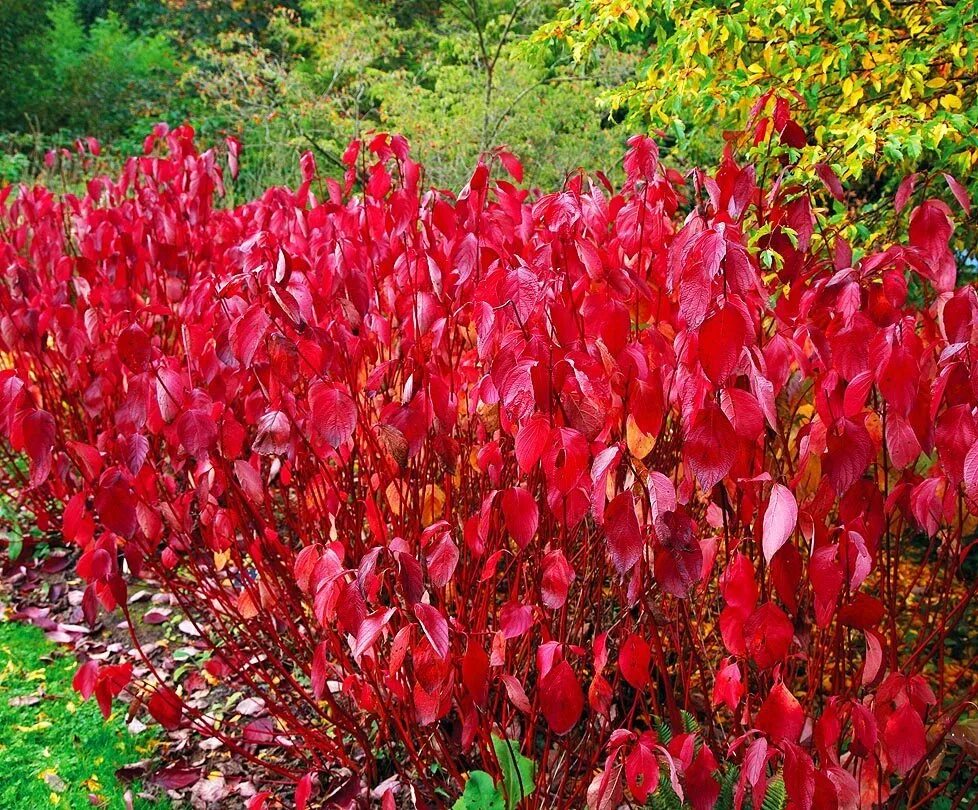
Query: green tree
{"points": [[451, 79], [22, 57], [884, 87], [104, 81]]}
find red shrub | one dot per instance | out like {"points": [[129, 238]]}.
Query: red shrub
{"points": [[666, 485]]}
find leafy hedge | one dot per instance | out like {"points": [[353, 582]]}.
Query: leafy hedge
{"points": [[663, 490]]}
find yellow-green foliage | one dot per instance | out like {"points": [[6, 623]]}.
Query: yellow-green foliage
{"points": [[885, 86], [451, 79]]}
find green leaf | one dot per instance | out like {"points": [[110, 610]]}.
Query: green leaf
{"points": [[728, 785], [481, 793], [665, 798], [662, 730], [15, 547], [776, 796], [518, 771]]}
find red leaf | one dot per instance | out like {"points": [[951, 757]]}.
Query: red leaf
{"points": [[85, 679], [273, 434], [39, 430], [662, 494], [959, 192], [556, 580], [604, 462], [849, 450], [679, 559], [904, 739], [698, 267], [475, 673], [89, 458], [721, 340], [930, 232], [259, 800], [633, 661], [768, 633], [166, 708], [304, 566], [901, 441], [332, 413], [827, 577], [197, 431], [897, 380], [370, 629], [111, 681], [781, 716], [561, 698], [647, 405], [515, 619], [600, 695], [512, 165], [175, 777], [702, 789], [442, 559], [874, 658], [606, 791], [250, 481], [259, 732], [115, 504], [624, 537], [780, 518], [247, 332], [904, 191], [435, 627], [303, 791], [865, 732], [135, 349], [830, 179], [521, 514], [641, 772], [970, 469], [711, 447], [531, 441], [956, 434], [738, 583], [136, 449], [729, 687], [516, 693]]}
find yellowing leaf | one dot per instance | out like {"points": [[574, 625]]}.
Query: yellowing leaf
{"points": [[639, 444], [433, 506], [40, 725], [393, 498]]}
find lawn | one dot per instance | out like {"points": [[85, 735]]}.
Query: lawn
{"points": [[56, 751]]}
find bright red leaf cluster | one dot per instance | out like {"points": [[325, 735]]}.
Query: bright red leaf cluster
{"points": [[663, 483]]}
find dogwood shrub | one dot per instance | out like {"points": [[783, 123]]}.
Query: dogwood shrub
{"points": [[600, 496]]}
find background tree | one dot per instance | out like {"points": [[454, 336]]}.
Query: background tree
{"points": [[288, 76], [886, 88]]}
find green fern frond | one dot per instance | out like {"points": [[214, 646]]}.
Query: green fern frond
{"points": [[662, 730], [665, 797], [775, 797], [728, 782]]}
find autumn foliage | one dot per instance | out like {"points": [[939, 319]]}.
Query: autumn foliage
{"points": [[663, 484]]}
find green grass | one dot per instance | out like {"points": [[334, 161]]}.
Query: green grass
{"points": [[58, 751]]}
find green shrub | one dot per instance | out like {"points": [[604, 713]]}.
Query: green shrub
{"points": [[105, 81]]}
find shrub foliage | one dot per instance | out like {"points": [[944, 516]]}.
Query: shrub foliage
{"points": [[654, 493]]}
